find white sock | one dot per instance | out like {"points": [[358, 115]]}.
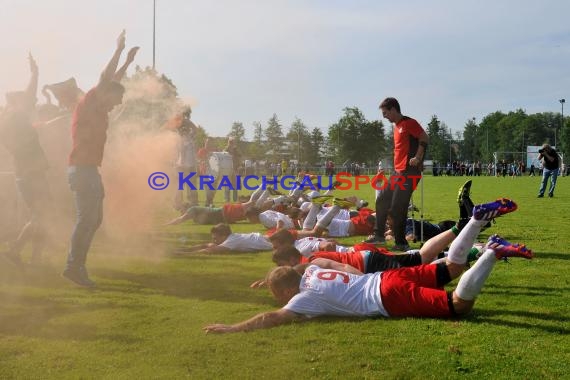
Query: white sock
{"points": [[328, 217], [262, 198], [472, 281], [460, 247], [257, 193], [311, 217]]}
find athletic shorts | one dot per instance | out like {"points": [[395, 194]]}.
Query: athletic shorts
{"points": [[206, 215], [379, 262], [339, 228], [413, 292]]}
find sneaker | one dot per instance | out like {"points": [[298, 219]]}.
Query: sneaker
{"points": [[373, 239], [488, 211], [401, 248], [507, 249], [343, 203], [322, 199], [464, 191], [79, 276]]}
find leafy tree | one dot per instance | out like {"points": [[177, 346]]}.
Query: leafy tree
{"points": [[317, 147], [299, 139], [237, 131], [470, 143], [257, 150], [355, 139], [274, 136]]}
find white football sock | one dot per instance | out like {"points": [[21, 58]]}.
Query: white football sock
{"points": [[471, 283], [311, 217], [460, 247]]}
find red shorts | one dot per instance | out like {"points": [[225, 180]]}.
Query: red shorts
{"points": [[413, 292]]}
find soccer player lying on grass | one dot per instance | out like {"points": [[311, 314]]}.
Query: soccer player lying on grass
{"points": [[307, 245], [231, 212], [224, 241], [361, 223], [365, 257], [404, 292]]}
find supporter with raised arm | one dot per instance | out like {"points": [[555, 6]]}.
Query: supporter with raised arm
{"points": [[21, 140], [89, 126]]}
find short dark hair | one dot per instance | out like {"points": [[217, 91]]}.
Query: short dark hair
{"points": [[390, 103], [283, 237], [221, 229], [285, 253]]}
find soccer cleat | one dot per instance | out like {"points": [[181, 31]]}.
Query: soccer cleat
{"points": [[488, 211], [464, 191], [343, 203], [507, 249], [322, 199]]}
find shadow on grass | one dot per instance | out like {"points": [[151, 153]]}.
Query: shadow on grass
{"points": [[552, 255], [491, 317], [39, 316], [526, 290], [202, 286]]}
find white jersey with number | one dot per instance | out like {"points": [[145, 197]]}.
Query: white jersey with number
{"points": [[270, 218], [307, 246], [330, 292], [247, 242]]}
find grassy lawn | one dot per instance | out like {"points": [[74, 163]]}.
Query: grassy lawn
{"points": [[145, 318]]}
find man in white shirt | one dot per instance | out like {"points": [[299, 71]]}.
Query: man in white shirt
{"points": [[406, 292]]}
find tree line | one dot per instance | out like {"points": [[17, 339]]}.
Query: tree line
{"points": [[353, 138]]}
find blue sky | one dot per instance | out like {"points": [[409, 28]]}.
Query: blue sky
{"points": [[245, 60]]}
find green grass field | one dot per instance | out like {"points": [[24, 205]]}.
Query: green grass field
{"points": [[145, 318]]}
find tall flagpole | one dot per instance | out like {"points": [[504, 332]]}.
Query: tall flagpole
{"points": [[153, 34]]}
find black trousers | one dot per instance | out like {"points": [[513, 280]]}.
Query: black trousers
{"points": [[394, 200]]}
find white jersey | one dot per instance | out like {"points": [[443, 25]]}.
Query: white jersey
{"points": [[339, 228], [330, 292], [306, 246], [269, 219], [247, 242]]}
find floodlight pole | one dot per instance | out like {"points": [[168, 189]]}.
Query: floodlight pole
{"points": [[562, 101], [153, 33]]}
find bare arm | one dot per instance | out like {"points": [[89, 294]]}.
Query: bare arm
{"points": [[419, 157], [181, 219], [32, 88], [260, 321], [130, 58], [214, 249], [257, 284], [109, 72], [330, 264]]}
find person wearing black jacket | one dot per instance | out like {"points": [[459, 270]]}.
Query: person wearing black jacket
{"points": [[551, 165]]}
